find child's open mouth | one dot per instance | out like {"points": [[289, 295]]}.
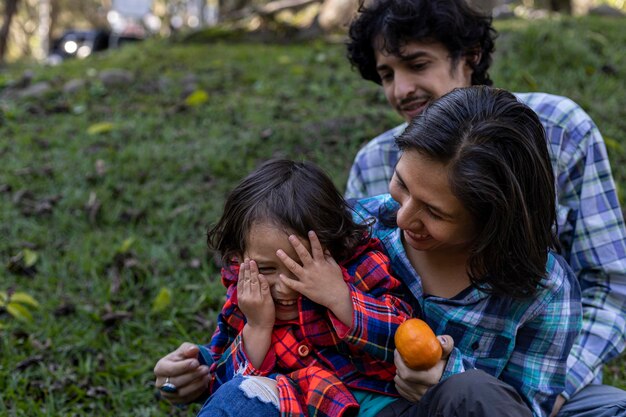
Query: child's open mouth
{"points": [[286, 303]]}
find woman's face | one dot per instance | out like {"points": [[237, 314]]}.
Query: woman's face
{"points": [[430, 216]]}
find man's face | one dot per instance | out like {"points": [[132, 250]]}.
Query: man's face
{"points": [[423, 73]]}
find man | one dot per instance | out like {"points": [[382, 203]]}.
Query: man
{"points": [[418, 50]]}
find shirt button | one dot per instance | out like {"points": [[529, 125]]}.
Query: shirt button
{"points": [[303, 350]]}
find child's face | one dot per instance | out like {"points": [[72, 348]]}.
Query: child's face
{"points": [[263, 241]]}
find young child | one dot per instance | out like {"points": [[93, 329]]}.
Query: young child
{"points": [[310, 301]]}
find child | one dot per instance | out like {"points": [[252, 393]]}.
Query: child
{"points": [[310, 302]]}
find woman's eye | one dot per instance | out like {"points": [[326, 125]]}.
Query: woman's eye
{"points": [[432, 214], [397, 181], [266, 271]]}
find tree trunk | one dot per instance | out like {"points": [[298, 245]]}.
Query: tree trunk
{"points": [[337, 14], [43, 29], [10, 7]]}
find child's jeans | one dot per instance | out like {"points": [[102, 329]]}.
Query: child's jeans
{"points": [[242, 397]]}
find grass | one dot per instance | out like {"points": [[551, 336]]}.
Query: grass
{"points": [[101, 227]]}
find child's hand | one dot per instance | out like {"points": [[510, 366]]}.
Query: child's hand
{"points": [[253, 296], [319, 278]]}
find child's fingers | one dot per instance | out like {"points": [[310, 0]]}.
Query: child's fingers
{"points": [[254, 278], [292, 265], [241, 279], [246, 277], [264, 286], [301, 250], [329, 258], [292, 283], [316, 246]]}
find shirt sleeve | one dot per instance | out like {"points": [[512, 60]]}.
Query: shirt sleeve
{"points": [[373, 165], [595, 246], [378, 308]]}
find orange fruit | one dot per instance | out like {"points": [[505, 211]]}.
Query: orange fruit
{"points": [[417, 344]]}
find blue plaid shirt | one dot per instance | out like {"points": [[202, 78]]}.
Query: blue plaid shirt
{"points": [[591, 226], [525, 343]]}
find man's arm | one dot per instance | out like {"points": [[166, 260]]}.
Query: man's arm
{"points": [[591, 228]]}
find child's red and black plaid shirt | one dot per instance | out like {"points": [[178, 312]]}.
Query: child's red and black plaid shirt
{"points": [[316, 359]]}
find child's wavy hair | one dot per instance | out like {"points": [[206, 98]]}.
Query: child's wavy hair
{"points": [[296, 196]]}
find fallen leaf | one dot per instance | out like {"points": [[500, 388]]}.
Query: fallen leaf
{"points": [[92, 207], [17, 265], [99, 128], [33, 360], [197, 98], [110, 319], [23, 298], [30, 258], [101, 168], [126, 245], [19, 312], [162, 300], [98, 392]]}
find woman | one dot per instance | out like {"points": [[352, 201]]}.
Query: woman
{"points": [[468, 229]]}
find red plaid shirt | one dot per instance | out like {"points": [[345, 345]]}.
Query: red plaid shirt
{"points": [[316, 359]]}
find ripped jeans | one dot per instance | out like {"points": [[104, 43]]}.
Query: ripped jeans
{"points": [[243, 396]]}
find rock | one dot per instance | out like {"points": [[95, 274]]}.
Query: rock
{"points": [[27, 78], [189, 84], [36, 90], [72, 86], [606, 10], [190, 78], [116, 77]]}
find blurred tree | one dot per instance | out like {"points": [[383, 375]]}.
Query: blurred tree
{"points": [[10, 8]]}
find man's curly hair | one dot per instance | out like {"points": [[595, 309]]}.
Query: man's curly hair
{"points": [[462, 30]]}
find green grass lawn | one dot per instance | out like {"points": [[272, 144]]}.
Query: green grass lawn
{"points": [[106, 193]]}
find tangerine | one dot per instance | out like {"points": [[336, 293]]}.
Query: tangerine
{"points": [[417, 344]]}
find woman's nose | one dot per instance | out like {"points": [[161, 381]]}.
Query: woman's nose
{"points": [[408, 216]]}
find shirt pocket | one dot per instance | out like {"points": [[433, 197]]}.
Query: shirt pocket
{"points": [[482, 348]]}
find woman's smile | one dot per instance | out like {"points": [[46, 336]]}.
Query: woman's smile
{"points": [[416, 237]]}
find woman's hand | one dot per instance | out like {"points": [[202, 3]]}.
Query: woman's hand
{"points": [[184, 371], [319, 277], [412, 384], [560, 400], [254, 298]]}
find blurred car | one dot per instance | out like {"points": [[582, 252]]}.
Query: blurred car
{"points": [[80, 43]]}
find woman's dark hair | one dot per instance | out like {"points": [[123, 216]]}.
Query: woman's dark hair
{"points": [[499, 168], [296, 196], [464, 32]]}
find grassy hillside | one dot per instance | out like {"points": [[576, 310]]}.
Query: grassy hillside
{"points": [[106, 192]]}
